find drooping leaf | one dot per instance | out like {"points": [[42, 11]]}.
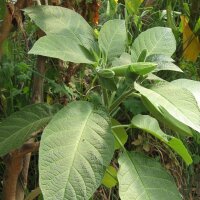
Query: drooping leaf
{"points": [[143, 178], [18, 127], [60, 21], [110, 177], [158, 40], [150, 125], [121, 134], [62, 47], [191, 44], [112, 38], [183, 112], [192, 86], [76, 147]]}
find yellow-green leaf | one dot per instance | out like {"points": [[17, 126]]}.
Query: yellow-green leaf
{"points": [[191, 45], [110, 177]]}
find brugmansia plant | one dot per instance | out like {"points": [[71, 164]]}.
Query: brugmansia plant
{"points": [[79, 140]]}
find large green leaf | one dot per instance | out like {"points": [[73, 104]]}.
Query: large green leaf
{"points": [[143, 178], [18, 127], [158, 40], [112, 38], [62, 47], [192, 86], [150, 125], [76, 147], [172, 105], [61, 21]]}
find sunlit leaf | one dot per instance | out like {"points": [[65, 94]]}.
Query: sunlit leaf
{"points": [[150, 125], [76, 148], [143, 178]]}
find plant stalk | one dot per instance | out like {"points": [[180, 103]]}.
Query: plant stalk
{"points": [[118, 101]]}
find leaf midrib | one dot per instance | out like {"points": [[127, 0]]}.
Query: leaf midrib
{"points": [[128, 154], [75, 150]]}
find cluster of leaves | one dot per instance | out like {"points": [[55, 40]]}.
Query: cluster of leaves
{"points": [[79, 140]]}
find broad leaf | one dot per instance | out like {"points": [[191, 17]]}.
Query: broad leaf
{"points": [[76, 147], [119, 134], [164, 63], [62, 47], [158, 40], [181, 108], [60, 21], [143, 178], [192, 86], [112, 38], [153, 77], [124, 59], [110, 177], [150, 125], [18, 127]]}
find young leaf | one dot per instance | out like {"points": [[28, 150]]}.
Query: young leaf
{"points": [[121, 134], [62, 47], [150, 125], [158, 40], [110, 177], [60, 21], [76, 147], [140, 68], [17, 128], [182, 109], [143, 178], [112, 38]]}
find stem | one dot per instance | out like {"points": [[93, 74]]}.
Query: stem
{"points": [[121, 126], [119, 141], [170, 19], [38, 2], [105, 97], [118, 101]]}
